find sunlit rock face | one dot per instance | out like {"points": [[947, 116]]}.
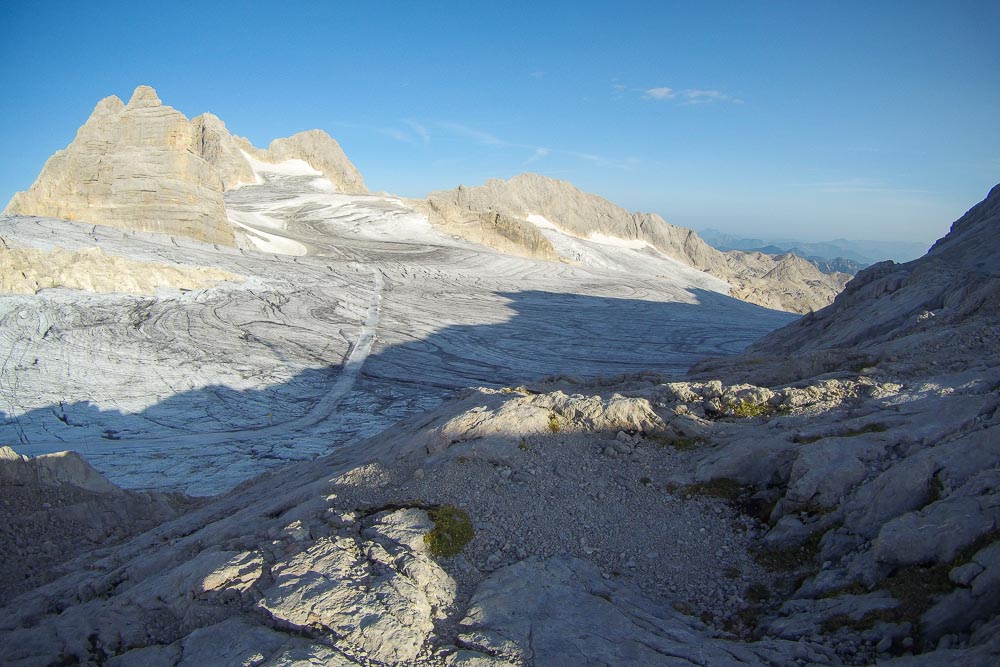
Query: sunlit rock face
{"points": [[143, 166], [134, 166], [565, 217]]}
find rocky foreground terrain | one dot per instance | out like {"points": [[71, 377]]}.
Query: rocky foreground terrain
{"points": [[828, 497]]}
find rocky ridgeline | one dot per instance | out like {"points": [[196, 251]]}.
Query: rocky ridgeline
{"points": [[144, 166], [786, 282]]}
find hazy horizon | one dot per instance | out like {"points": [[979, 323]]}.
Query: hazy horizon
{"points": [[810, 122]]}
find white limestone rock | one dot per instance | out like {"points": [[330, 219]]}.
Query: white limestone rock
{"points": [[62, 468], [29, 270], [382, 601], [549, 612], [136, 166]]}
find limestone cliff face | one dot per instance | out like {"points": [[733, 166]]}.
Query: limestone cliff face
{"points": [[317, 148], [136, 166], [144, 166], [220, 149], [785, 282]]}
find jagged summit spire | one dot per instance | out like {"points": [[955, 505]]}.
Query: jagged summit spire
{"points": [[144, 96]]}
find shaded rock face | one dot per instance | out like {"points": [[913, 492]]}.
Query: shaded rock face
{"points": [[937, 313], [136, 166], [221, 150], [56, 506], [785, 282], [499, 231]]}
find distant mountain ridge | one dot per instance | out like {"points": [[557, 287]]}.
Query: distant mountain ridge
{"points": [[863, 252], [786, 282]]}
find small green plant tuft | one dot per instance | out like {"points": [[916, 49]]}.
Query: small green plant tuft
{"points": [[452, 531], [525, 446], [554, 425], [866, 622], [679, 443], [791, 558], [935, 490], [874, 427], [723, 487], [747, 409], [757, 593]]}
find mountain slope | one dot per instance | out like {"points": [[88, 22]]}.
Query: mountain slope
{"points": [[939, 310], [785, 282]]}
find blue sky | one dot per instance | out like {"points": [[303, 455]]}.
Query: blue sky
{"points": [[812, 120]]}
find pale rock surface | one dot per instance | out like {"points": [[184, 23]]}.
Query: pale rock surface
{"points": [[28, 270], [221, 150], [318, 149], [136, 166], [145, 167], [785, 282], [51, 470], [499, 231]]}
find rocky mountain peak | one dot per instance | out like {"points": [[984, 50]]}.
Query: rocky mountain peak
{"points": [[111, 104], [144, 96], [145, 167]]}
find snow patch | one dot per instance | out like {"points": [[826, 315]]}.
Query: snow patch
{"points": [[541, 222], [618, 242], [293, 167], [264, 241]]}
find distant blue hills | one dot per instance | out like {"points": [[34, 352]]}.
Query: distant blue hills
{"points": [[828, 256]]}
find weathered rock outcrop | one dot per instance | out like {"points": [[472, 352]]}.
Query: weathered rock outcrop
{"points": [[221, 150], [136, 166], [28, 270], [55, 507], [785, 282], [499, 231]]}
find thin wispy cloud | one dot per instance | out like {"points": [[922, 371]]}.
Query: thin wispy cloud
{"points": [[539, 154], [485, 138], [395, 133], [688, 95], [476, 135], [537, 75], [419, 130], [663, 93], [862, 185]]}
